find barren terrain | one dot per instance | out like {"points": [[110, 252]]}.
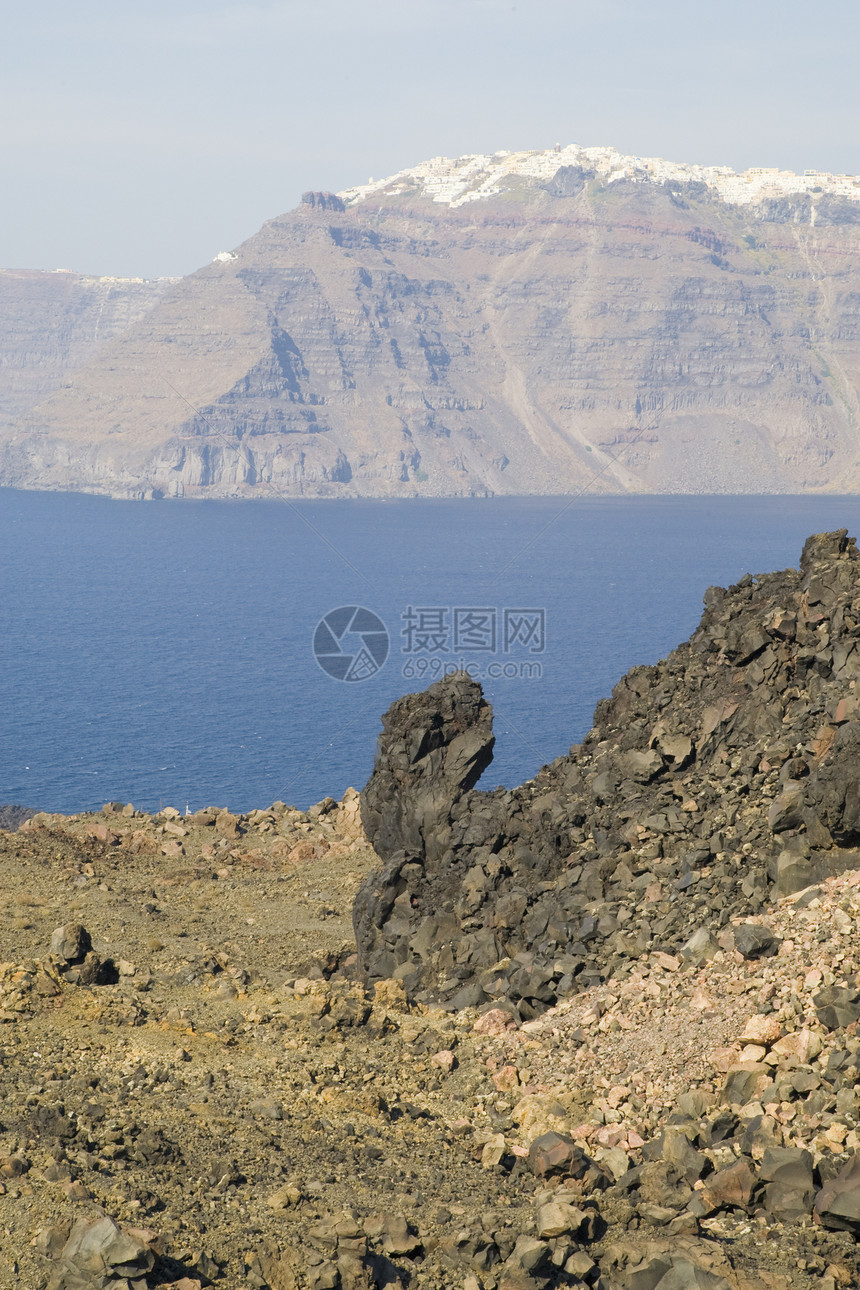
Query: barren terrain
{"points": [[250, 1122]]}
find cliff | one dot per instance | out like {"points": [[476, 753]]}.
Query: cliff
{"points": [[524, 323], [54, 322]]}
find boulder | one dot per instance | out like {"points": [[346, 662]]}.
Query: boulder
{"points": [[673, 1146], [744, 1082], [684, 1275], [730, 1188], [803, 1044], [755, 941], [71, 942], [790, 1189], [837, 1204], [553, 1153], [833, 791], [700, 947], [671, 1271], [98, 1248], [529, 1255], [787, 810], [559, 1219], [837, 1006], [792, 873]]}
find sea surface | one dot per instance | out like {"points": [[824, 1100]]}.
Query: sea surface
{"points": [[162, 653]]}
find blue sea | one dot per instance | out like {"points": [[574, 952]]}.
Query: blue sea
{"points": [[182, 653]]}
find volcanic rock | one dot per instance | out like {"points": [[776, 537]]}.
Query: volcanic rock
{"points": [[98, 1252], [790, 1188], [837, 1006], [71, 942], [753, 941], [837, 1205], [433, 748], [520, 897], [730, 1187], [11, 815]]}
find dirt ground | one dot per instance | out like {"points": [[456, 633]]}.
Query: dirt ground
{"points": [[214, 1078]]}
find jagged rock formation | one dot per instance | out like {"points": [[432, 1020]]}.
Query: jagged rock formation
{"points": [[323, 201], [710, 781], [436, 747], [12, 815], [524, 323]]}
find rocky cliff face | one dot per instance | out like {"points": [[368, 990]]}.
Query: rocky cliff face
{"points": [[52, 323], [711, 782], [488, 326]]}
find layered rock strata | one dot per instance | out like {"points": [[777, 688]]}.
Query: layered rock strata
{"points": [[53, 323], [534, 323]]}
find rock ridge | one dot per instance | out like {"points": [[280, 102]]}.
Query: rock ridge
{"points": [[585, 323], [711, 782]]}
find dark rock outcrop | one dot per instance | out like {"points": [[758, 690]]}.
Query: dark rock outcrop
{"points": [[11, 815], [323, 201], [710, 781], [434, 748]]}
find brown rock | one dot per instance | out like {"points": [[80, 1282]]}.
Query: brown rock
{"points": [[558, 1219], [444, 1060], [71, 942], [227, 825], [730, 1188], [804, 1044], [744, 1082], [552, 1153], [102, 833], [494, 1022], [764, 1030], [13, 1166]]}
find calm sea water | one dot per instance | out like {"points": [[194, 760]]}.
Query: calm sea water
{"points": [[162, 653]]}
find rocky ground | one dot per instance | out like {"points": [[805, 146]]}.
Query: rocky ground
{"points": [[602, 1030], [205, 1094]]}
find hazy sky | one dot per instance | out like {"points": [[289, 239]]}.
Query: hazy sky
{"points": [[141, 139]]}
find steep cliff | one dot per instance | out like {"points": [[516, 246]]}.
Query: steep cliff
{"points": [[519, 324], [52, 323]]}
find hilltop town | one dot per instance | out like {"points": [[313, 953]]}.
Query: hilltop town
{"points": [[455, 181]]}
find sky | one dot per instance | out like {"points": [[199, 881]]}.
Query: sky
{"points": [[141, 140]]}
